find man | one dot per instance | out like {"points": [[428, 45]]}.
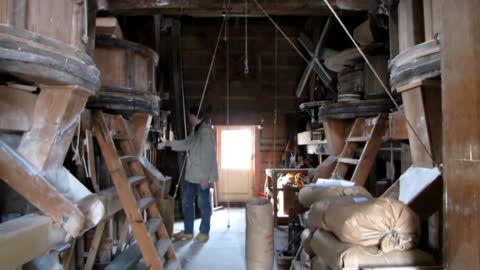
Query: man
{"points": [[201, 171]]}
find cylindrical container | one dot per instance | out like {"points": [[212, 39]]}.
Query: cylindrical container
{"points": [[128, 77], [259, 242], [45, 42]]}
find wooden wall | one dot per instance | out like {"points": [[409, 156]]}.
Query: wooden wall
{"points": [[252, 96], [461, 134]]}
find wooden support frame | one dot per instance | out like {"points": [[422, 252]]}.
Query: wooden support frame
{"points": [[92, 252], [56, 115], [16, 109], [422, 101]]}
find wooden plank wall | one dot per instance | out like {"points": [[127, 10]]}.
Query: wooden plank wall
{"points": [[252, 96], [461, 132]]}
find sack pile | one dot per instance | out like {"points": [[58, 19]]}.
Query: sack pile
{"points": [[347, 227]]}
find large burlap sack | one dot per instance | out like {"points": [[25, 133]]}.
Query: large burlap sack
{"points": [[316, 214], [306, 237], [310, 194], [318, 263], [385, 222], [259, 242], [339, 255]]}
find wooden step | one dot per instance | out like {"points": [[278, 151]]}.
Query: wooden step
{"points": [[351, 161], [173, 265], [162, 246], [358, 139], [129, 158], [153, 224], [136, 179], [143, 203]]}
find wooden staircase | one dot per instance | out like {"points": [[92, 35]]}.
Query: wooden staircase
{"points": [[134, 191], [370, 139]]}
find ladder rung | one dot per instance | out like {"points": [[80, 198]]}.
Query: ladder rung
{"points": [[173, 265], [121, 137], [143, 203], [134, 180], [358, 139], [153, 224], [128, 158], [162, 246], [348, 161]]}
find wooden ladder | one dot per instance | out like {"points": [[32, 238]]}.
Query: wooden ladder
{"points": [[359, 135], [135, 194]]}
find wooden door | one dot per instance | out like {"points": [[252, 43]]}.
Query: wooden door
{"points": [[236, 163]]}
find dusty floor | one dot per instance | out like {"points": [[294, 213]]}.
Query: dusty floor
{"points": [[226, 247]]}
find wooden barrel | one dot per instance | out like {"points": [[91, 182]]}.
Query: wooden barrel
{"points": [[127, 77], [351, 84], [45, 42]]}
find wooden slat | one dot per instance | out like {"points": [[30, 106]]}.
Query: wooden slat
{"points": [[129, 158], [134, 180], [91, 160], [162, 246], [357, 139], [153, 225], [145, 202], [92, 252], [350, 161]]}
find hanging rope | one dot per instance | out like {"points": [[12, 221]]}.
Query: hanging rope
{"points": [[227, 86], [246, 70], [201, 101], [379, 79]]}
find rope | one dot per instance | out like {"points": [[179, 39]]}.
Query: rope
{"points": [[227, 81], [281, 31], [201, 102], [378, 78], [246, 39]]}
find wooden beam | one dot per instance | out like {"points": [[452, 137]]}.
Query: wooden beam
{"points": [[27, 180], [140, 125], [410, 23], [215, 8], [461, 132], [27, 237], [422, 102], [56, 115], [92, 252], [16, 109], [336, 132]]}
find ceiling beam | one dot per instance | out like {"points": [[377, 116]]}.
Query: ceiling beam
{"points": [[204, 8]]}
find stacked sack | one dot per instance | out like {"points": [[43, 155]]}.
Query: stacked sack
{"points": [[348, 228]]}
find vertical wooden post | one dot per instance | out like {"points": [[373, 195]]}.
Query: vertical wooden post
{"points": [[461, 133], [422, 103], [336, 132], [140, 124], [410, 23], [56, 115]]}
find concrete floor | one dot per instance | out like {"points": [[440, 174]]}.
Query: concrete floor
{"points": [[226, 247]]}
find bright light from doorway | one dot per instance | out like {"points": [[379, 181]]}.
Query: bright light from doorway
{"points": [[236, 149]]}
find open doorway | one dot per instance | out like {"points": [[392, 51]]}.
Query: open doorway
{"points": [[236, 163]]}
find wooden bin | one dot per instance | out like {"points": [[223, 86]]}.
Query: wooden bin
{"points": [[45, 42], [128, 76]]}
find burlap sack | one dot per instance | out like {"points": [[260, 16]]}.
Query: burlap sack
{"points": [[318, 263], [310, 194], [317, 211], [387, 223], [306, 237], [259, 242], [340, 255]]}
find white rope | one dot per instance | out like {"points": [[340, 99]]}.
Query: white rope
{"points": [[201, 101], [378, 78], [246, 70]]}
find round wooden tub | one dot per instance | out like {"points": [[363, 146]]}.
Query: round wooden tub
{"points": [[44, 42], [127, 77]]}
